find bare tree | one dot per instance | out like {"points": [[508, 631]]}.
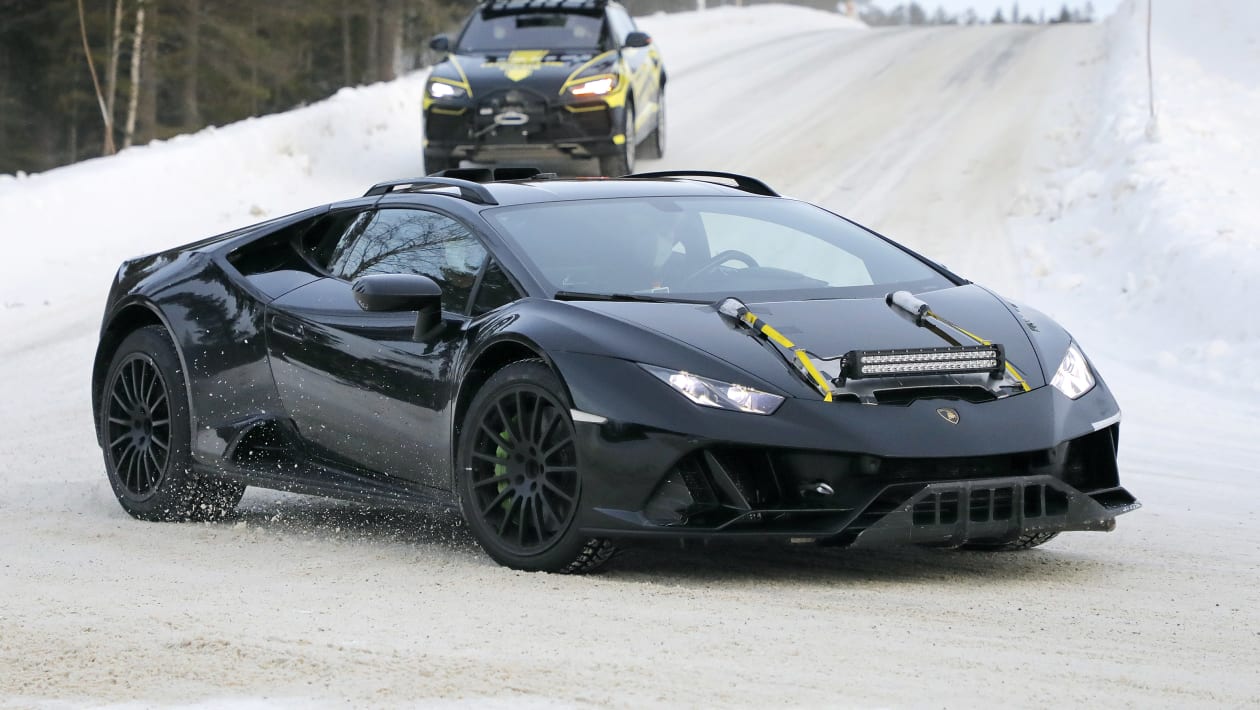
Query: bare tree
{"points": [[373, 49], [137, 56], [391, 40], [147, 118], [96, 84], [115, 49], [192, 65], [347, 56]]}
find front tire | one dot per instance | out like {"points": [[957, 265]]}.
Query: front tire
{"points": [[145, 435], [1023, 542], [519, 482], [622, 161], [653, 147]]}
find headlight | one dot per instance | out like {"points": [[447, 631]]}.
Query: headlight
{"points": [[717, 394], [442, 90], [1073, 378], [594, 87]]}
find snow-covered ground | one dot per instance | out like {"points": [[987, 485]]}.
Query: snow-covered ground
{"points": [[1020, 156]]}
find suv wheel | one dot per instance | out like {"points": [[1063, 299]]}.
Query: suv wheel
{"points": [[622, 162]]}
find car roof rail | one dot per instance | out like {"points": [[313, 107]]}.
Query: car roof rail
{"points": [[481, 175], [743, 182], [468, 190]]}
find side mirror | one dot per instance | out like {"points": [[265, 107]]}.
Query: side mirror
{"points": [[440, 43], [638, 39], [389, 293]]}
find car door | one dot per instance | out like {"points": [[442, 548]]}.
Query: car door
{"points": [[644, 66], [358, 388]]}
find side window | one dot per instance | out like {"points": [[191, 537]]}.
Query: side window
{"points": [[495, 290], [331, 231], [402, 241]]}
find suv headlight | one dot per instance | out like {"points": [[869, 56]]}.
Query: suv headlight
{"points": [[1073, 377], [443, 90], [595, 86], [717, 394]]}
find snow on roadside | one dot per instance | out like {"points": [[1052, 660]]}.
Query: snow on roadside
{"points": [[99, 212], [1156, 233], [690, 38], [75, 224]]}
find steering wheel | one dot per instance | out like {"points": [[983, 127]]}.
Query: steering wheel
{"points": [[720, 259]]}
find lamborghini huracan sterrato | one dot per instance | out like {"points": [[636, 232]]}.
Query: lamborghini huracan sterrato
{"points": [[538, 79], [577, 363]]}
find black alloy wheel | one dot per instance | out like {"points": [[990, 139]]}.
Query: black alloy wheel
{"points": [[622, 161], [145, 435], [521, 486], [653, 147], [138, 425]]}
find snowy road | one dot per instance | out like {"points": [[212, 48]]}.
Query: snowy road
{"points": [[927, 135]]}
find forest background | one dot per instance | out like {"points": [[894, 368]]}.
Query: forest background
{"points": [[160, 68]]}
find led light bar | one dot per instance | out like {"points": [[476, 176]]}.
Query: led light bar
{"points": [[862, 364]]}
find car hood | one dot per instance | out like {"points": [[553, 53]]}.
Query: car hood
{"points": [[829, 328], [542, 70]]}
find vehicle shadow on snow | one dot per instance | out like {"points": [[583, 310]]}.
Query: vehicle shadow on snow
{"points": [[738, 562], [656, 561]]}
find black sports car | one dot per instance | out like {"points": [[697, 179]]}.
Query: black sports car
{"points": [[578, 362], [537, 79]]}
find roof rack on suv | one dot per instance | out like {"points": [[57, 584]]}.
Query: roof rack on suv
{"points": [[743, 182], [468, 190], [521, 6], [495, 175]]}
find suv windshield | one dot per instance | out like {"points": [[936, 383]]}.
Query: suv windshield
{"points": [[706, 248], [554, 31]]}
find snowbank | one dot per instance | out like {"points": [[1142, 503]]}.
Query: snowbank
{"points": [[65, 231], [1154, 228]]}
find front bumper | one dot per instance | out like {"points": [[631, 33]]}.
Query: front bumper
{"points": [[520, 124], [719, 490], [841, 473]]}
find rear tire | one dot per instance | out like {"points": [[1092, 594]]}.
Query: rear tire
{"points": [[1023, 542], [519, 477], [145, 435], [622, 162]]}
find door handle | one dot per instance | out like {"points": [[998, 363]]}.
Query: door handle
{"points": [[288, 327]]}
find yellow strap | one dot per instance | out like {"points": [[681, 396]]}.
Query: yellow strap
{"points": [[1009, 367], [1015, 373], [814, 373], [777, 337], [782, 341]]}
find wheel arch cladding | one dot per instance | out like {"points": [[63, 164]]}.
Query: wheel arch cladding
{"points": [[488, 361], [126, 321]]}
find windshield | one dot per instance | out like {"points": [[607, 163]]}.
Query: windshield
{"points": [[554, 31], [705, 248]]}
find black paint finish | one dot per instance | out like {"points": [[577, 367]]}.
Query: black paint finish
{"points": [[292, 385]]}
